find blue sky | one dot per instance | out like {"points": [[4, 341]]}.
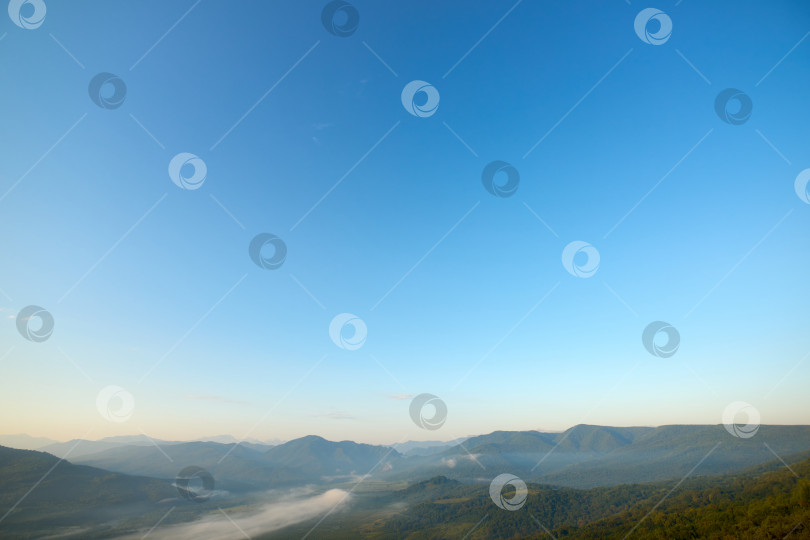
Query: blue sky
{"points": [[143, 277]]}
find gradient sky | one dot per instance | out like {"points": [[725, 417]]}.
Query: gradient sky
{"points": [[139, 273]]}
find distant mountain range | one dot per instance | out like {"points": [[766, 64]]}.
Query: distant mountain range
{"points": [[425, 448], [244, 467], [129, 481], [589, 456], [583, 456], [83, 447], [76, 448], [25, 442]]}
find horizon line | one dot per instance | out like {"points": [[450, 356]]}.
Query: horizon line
{"points": [[254, 440]]}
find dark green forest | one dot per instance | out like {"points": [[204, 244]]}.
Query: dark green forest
{"points": [[769, 501]]}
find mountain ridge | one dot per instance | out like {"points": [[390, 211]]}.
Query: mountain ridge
{"points": [[582, 456]]}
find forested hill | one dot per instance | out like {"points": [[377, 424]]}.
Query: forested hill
{"points": [[767, 501], [770, 505], [42, 495]]}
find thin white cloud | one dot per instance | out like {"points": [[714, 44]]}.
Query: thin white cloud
{"points": [[398, 397], [336, 415], [218, 399]]}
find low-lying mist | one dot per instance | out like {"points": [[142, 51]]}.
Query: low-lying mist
{"points": [[293, 507]]}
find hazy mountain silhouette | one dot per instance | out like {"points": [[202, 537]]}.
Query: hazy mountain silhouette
{"points": [[583, 456], [25, 442]]}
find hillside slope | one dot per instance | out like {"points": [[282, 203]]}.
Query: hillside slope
{"points": [[69, 496]]}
